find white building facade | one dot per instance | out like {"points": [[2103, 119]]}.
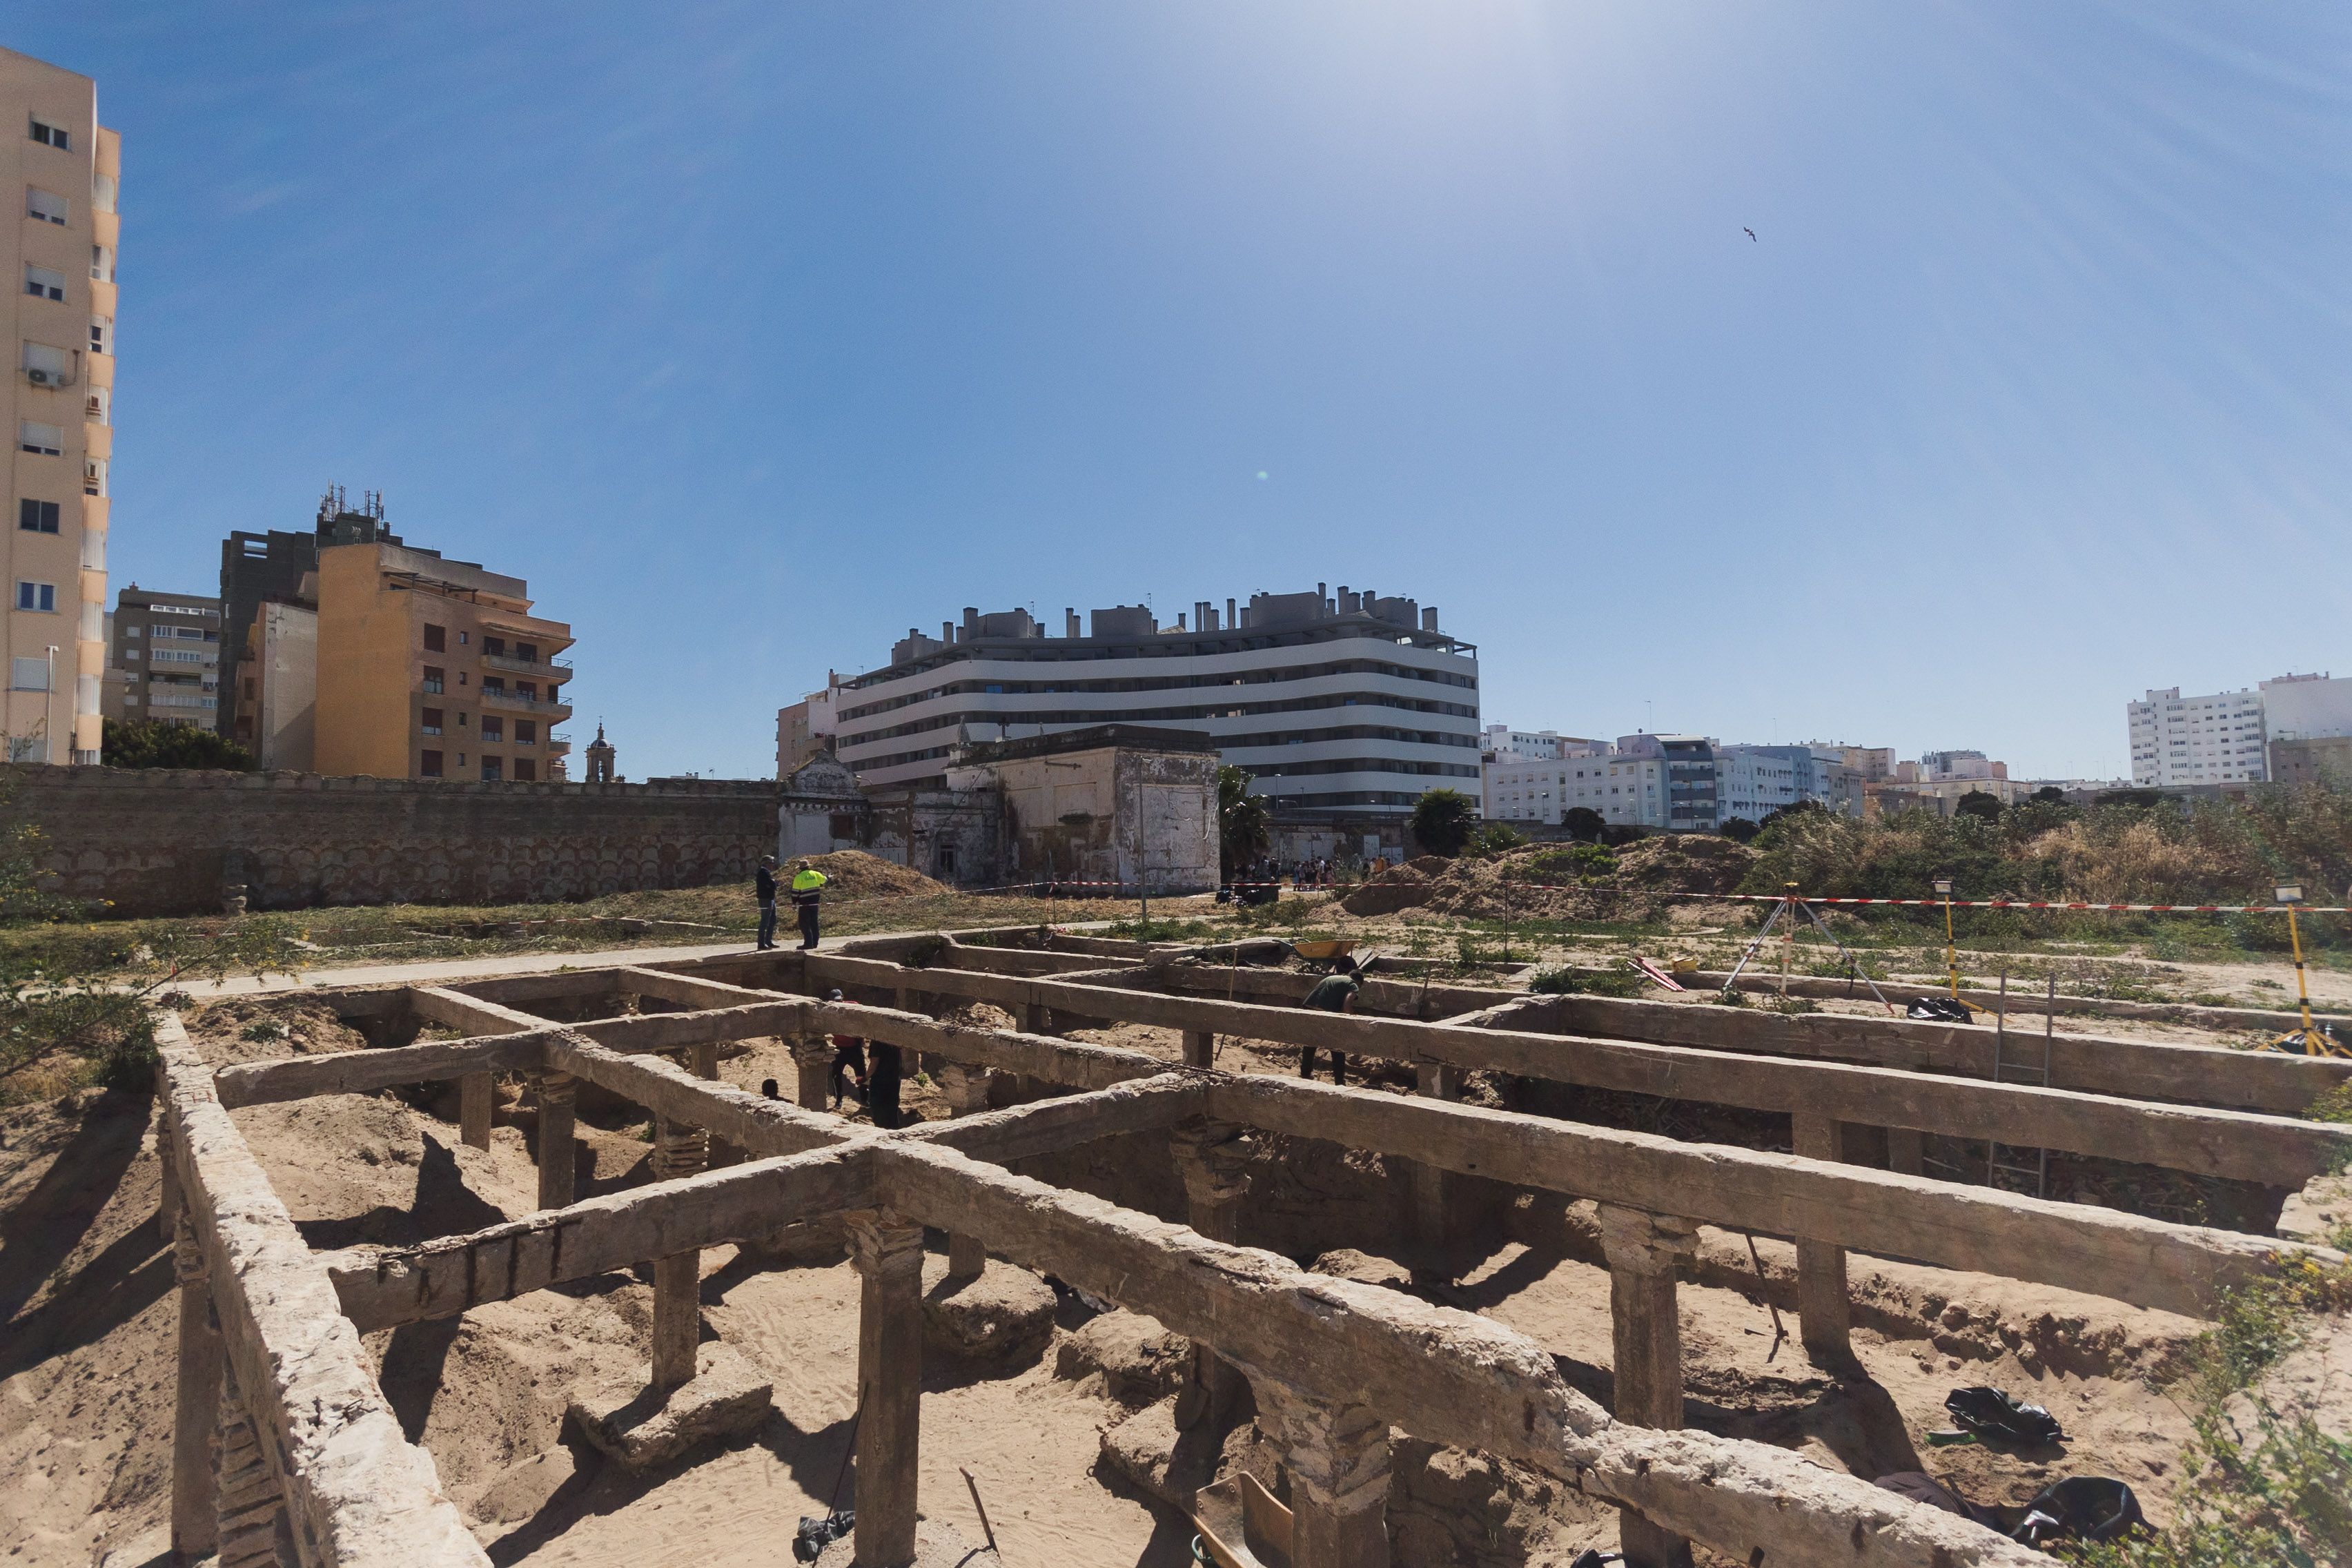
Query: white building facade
{"points": [[2307, 707], [1349, 703], [2179, 742], [1623, 789]]}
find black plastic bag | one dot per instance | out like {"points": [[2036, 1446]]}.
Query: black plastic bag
{"points": [[1990, 1411], [1595, 1558], [814, 1535], [1940, 1009], [2081, 1507]]}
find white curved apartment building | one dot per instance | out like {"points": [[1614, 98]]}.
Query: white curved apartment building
{"points": [[1348, 703]]}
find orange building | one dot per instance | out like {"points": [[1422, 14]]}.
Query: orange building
{"points": [[434, 669]]}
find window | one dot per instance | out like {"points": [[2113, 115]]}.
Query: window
{"points": [[36, 595], [28, 674], [48, 440], [525, 771], [45, 366], [41, 517], [101, 263], [461, 720], [528, 652], [492, 770], [436, 640], [526, 690], [43, 284], [492, 686], [429, 719], [46, 206], [462, 637], [433, 680], [493, 729], [495, 645], [461, 678], [101, 191], [526, 732], [428, 764], [49, 135], [97, 407], [102, 334], [93, 476]]}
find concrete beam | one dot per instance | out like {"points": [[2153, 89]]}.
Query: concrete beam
{"points": [[738, 1203], [2278, 1151], [2103, 1252], [367, 1072], [1446, 1375], [750, 1122], [359, 1494]]}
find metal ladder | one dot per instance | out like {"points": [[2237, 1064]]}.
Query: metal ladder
{"points": [[2028, 1169]]}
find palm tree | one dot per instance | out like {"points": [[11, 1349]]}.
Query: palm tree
{"points": [[1244, 825]]}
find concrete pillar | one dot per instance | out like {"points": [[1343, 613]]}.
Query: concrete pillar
{"points": [[679, 1150], [1036, 1018], [1213, 1158], [1337, 1457], [1826, 1315], [702, 1061], [246, 1491], [195, 1527], [1200, 1047], [1645, 1322], [555, 1092], [965, 1088], [1907, 1151], [887, 1252], [476, 1091], [1432, 1216], [813, 1055]]}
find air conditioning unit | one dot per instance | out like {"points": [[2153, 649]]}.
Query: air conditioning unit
{"points": [[42, 378]]}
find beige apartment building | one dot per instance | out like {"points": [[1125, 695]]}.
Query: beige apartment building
{"points": [[59, 404], [428, 668], [164, 660]]}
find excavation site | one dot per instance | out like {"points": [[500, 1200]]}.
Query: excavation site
{"points": [[1013, 1245]]}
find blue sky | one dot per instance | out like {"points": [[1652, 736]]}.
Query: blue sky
{"points": [[753, 334]]}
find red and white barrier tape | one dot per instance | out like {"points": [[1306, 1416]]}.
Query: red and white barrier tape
{"points": [[2036, 904]]}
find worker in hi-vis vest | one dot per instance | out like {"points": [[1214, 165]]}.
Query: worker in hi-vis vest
{"points": [[807, 882]]}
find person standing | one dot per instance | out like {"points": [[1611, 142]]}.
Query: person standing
{"points": [[1334, 992], [808, 882], [848, 1060], [883, 1070], [764, 888]]}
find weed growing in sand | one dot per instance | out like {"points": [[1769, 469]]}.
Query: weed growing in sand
{"points": [[1567, 981], [2267, 1485]]}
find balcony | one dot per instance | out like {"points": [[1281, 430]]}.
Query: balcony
{"points": [[559, 669], [499, 697]]}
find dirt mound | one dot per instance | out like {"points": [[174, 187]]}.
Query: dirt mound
{"points": [[264, 1028], [854, 874], [1684, 863], [1554, 881]]}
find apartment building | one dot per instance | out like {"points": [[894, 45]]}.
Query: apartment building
{"points": [[1625, 789], [2307, 707], [1537, 745], [281, 566], [806, 727], [434, 669], [163, 662], [2177, 742], [1351, 702], [66, 169]]}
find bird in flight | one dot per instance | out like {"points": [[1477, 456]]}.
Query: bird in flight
{"points": [[1750, 234]]}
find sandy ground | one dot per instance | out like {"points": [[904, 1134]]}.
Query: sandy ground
{"points": [[86, 1359]]}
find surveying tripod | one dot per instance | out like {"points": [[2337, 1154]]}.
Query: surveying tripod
{"points": [[1787, 905]]}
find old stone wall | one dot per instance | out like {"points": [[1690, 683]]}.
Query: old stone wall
{"points": [[169, 841]]}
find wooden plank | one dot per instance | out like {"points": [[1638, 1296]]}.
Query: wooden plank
{"points": [[2101, 1252], [737, 1203], [367, 1072], [1444, 1375], [2277, 1151]]}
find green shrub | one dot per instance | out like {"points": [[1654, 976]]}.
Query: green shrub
{"points": [[1567, 981], [1589, 862]]}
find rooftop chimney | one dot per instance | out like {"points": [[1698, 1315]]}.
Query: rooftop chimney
{"points": [[1429, 619]]}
